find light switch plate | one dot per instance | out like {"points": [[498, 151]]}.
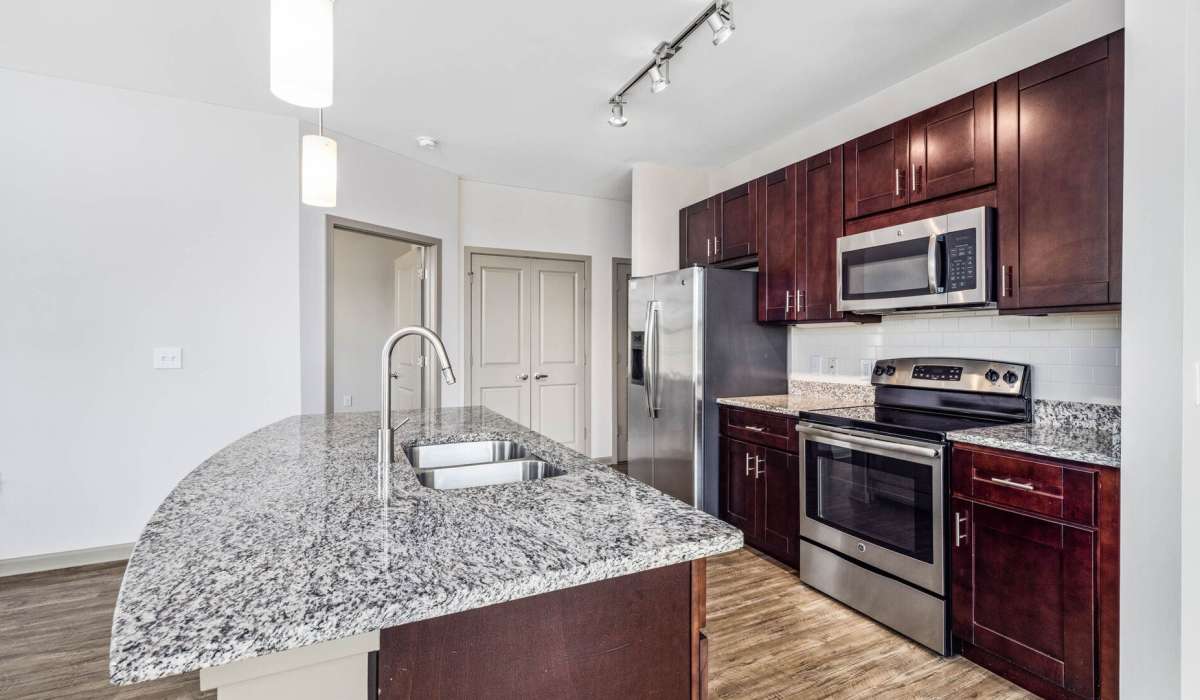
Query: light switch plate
{"points": [[865, 367], [168, 358], [831, 365], [347, 400], [814, 364]]}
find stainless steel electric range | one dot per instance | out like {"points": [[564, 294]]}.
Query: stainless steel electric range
{"points": [[873, 487]]}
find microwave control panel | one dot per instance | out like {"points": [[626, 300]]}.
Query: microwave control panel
{"points": [[961, 258]]}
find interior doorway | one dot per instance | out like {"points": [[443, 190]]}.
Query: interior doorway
{"points": [[621, 273], [379, 280], [528, 340]]}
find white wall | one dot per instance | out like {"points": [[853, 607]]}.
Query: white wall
{"points": [[1156, 72], [659, 192], [1075, 357], [376, 186], [133, 221], [1190, 537], [496, 216]]}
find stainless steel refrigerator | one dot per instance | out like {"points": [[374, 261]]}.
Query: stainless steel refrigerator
{"points": [[694, 337]]}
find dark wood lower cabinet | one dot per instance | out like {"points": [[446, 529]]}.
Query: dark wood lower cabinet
{"points": [[1034, 567], [760, 489], [633, 636]]}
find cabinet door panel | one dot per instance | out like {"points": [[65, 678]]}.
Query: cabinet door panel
{"points": [[1059, 154], [953, 146], [698, 226], [736, 237], [1031, 594], [738, 494], [822, 225], [876, 170], [780, 503], [779, 275]]}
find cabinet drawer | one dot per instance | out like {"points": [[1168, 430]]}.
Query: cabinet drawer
{"points": [[759, 427], [1034, 485]]}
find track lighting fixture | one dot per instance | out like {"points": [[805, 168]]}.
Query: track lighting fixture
{"points": [[718, 18], [721, 23], [618, 112]]}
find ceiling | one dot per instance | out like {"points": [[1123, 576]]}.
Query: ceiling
{"points": [[516, 91]]}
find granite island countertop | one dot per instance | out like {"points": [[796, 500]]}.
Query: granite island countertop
{"points": [[277, 541]]}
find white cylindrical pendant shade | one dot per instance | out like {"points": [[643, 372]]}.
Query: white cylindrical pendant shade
{"points": [[302, 52], [318, 171]]}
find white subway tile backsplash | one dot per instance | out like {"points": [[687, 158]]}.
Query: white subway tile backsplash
{"points": [[1076, 357]]}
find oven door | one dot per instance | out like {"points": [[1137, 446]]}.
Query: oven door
{"points": [[875, 500]]}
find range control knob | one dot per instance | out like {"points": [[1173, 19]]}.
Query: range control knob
{"points": [[878, 371], [1011, 377], [991, 375], [890, 370]]}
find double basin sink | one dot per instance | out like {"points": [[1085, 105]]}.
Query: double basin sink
{"points": [[460, 465]]}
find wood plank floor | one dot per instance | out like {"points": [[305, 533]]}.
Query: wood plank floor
{"points": [[771, 637]]}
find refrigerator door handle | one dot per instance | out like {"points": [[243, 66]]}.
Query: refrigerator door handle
{"points": [[651, 361]]}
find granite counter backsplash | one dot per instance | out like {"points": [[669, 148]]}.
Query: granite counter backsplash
{"points": [[1083, 432]]}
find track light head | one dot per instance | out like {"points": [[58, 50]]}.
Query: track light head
{"points": [[721, 24], [618, 117], [660, 77]]}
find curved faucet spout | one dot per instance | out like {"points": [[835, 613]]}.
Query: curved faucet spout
{"points": [[386, 443]]}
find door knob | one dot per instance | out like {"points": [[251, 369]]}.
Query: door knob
{"points": [[541, 375], [522, 377]]}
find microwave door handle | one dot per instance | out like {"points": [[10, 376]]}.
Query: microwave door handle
{"points": [[931, 264]]}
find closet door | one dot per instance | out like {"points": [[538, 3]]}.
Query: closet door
{"points": [[558, 348], [500, 337]]}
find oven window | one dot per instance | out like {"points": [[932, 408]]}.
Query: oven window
{"points": [[887, 271], [883, 500]]}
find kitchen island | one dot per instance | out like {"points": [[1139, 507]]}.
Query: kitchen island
{"points": [[274, 558]]}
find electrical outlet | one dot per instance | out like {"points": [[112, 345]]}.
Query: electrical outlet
{"points": [[865, 367], [830, 365], [814, 364], [168, 358], [347, 400]]}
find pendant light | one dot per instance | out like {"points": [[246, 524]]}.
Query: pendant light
{"points": [[302, 52], [318, 168]]}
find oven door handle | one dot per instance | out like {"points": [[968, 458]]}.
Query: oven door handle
{"points": [[916, 450]]}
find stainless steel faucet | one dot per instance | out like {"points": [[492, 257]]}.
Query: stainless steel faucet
{"points": [[386, 436]]}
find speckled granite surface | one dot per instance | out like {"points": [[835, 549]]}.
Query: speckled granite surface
{"points": [[1083, 432], [277, 541], [807, 396]]}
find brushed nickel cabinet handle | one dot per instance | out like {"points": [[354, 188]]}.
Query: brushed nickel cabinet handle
{"points": [[801, 300], [708, 249], [959, 535], [898, 175], [716, 245], [916, 177], [1012, 484], [787, 302], [747, 464], [1006, 280], [758, 466]]}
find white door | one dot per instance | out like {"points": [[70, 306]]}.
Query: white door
{"points": [[559, 351], [621, 364], [529, 343], [500, 375], [408, 310]]}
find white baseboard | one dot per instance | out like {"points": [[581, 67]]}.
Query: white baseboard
{"points": [[65, 560]]}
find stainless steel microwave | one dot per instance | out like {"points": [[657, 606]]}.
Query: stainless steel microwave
{"points": [[942, 261]]}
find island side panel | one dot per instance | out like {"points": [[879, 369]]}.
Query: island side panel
{"points": [[631, 636]]}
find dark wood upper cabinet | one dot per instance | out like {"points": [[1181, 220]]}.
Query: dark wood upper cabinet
{"points": [[953, 146], [1059, 157], [697, 231], [737, 233], [1024, 591], [877, 170], [821, 224], [781, 263]]}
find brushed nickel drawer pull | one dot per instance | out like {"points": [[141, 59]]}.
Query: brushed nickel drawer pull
{"points": [[1012, 484], [755, 428]]}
